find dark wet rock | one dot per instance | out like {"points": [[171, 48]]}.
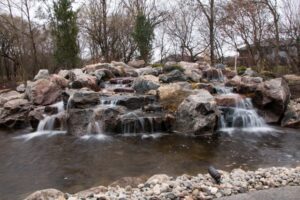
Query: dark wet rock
{"points": [[124, 90], [272, 98], [145, 83], [131, 102], [47, 194], [197, 114], [141, 122], [42, 74], [213, 74], [84, 99], [207, 86], [291, 117], [173, 76], [152, 108], [78, 121], [36, 115], [103, 74], [121, 80], [14, 113], [107, 116], [293, 82], [137, 63], [172, 95]]}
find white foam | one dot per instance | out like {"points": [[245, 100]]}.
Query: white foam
{"points": [[100, 137], [33, 135]]}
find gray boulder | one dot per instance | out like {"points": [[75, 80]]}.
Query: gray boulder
{"points": [[42, 74], [173, 76], [145, 83], [291, 117], [197, 114]]}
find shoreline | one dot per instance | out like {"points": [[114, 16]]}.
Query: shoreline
{"points": [[202, 186]]}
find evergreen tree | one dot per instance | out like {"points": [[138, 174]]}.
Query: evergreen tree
{"points": [[65, 33], [143, 35]]}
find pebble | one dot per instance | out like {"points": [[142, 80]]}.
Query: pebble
{"points": [[202, 186]]}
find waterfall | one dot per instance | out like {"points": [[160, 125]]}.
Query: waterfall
{"points": [[241, 115], [46, 126], [133, 124], [111, 103], [48, 123]]}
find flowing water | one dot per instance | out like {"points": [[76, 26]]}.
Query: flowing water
{"points": [[72, 164]]}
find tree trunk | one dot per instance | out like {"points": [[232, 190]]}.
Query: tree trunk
{"points": [[212, 33]]}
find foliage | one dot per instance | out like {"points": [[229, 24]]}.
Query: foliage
{"points": [[155, 65], [241, 70], [143, 35], [65, 33]]}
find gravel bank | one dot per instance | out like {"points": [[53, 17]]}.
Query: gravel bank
{"points": [[201, 186]]}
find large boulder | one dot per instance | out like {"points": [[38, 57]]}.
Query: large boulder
{"points": [[291, 117], [43, 92], [14, 113], [8, 95], [42, 74], [78, 121], [47, 194], [83, 99], [172, 95], [145, 83], [191, 71], [149, 71], [272, 97], [294, 85], [173, 76], [137, 63], [84, 80], [197, 114]]}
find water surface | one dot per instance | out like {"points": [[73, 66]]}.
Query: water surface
{"points": [[71, 164]]}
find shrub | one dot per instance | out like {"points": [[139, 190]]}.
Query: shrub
{"points": [[241, 70]]}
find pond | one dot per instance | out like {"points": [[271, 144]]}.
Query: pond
{"points": [[70, 164]]}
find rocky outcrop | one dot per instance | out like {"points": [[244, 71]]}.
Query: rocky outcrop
{"points": [[272, 98], [228, 100], [83, 99], [44, 91], [196, 115], [173, 76], [145, 83], [137, 63], [291, 117], [172, 95], [42, 74], [14, 113], [293, 82], [8, 95]]}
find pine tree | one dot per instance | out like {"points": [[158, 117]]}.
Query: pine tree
{"points": [[65, 33], [143, 35]]}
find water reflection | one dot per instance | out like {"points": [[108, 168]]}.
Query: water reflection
{"points": [[72, 164]]}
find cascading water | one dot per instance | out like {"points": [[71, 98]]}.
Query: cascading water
{"points": [[47, 125], [240, 115]]}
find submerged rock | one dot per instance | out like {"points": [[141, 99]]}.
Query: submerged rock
{"points": [[197, 114]]}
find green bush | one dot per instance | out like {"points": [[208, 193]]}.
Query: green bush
{"points": [[241, 70], [157, 65]]}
